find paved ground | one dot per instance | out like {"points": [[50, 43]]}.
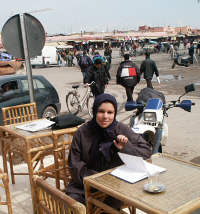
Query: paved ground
{"points": [[184, 138]]}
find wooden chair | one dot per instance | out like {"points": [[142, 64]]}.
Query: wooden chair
{"points": [[52, 201], [15, 115], [5, 186], [59, 170], [19, 113]]}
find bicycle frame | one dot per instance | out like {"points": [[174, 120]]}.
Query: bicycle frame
{"points": [[83, 100]]}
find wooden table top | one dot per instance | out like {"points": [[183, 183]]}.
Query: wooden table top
{"points": [[11, 129], [182, 181]]}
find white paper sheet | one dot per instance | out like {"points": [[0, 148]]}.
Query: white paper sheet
{"points": [[35, 126], [135, 168]]}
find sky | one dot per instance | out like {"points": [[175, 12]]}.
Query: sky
{"points": [[70, 16]]}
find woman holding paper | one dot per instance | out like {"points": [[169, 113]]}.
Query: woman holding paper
{"points": [[96, 143]]}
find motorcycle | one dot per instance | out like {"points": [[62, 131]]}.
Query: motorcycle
{"points": [[149, 118], [181, 61], [132, 52]]}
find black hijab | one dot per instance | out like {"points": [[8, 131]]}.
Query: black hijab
{"points": [[100, 150], [103, 98]]}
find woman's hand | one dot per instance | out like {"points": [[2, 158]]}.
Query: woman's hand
{"points": [[121, 141]]}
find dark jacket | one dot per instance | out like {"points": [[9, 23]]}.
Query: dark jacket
{"points": [[84, 62], [191, 50], [148, 67], [128, 74], [99, 76], [79, 156]]}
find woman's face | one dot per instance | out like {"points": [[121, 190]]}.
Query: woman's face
{"points": [[105, 115]]}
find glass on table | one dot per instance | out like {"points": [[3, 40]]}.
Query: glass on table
{"points": [[153, 184], [153, 181]]}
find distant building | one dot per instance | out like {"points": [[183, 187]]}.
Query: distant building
{"points": [[156, 29], [195, 31], [183, 30], [143, 28], [146, 28]]}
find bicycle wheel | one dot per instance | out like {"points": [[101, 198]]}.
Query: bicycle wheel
{"points": [[72, 103], [90, 102]]}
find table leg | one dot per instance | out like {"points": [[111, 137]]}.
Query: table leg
{"points": [[4, 153], [87, 195], [30, 169], [11, 166], [133, 210]]}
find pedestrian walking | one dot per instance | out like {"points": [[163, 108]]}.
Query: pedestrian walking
{"points": [[97, 73], [128, 75], [105, 63], [148, 67], [59, 61], [84, 62], [191, 52]]}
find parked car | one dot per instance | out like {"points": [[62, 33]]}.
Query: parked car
{"points": [[14, 91]]}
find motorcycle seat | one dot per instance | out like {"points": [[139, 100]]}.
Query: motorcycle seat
{"points": [[75, 86]]}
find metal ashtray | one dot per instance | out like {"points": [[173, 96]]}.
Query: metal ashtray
{"points": [[154, 188]]}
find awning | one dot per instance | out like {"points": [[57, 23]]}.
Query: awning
{"points": [[64, 46]]}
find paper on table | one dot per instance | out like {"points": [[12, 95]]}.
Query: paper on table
{"points": [[35, 126], [135, 168]]}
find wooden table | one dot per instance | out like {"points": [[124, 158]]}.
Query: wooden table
{"points": [[182, 194], [27, 137], [29, 150]]}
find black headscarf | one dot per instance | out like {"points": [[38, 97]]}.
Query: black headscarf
{"points": [[100, 150]]}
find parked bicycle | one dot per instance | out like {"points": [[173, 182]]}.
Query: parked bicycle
{"points": [[76, 102]]}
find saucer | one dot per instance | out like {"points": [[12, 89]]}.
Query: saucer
{"points": [[154, 188]]}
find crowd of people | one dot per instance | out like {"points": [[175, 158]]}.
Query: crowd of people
{"points": [[96, 68], [128, 74]]}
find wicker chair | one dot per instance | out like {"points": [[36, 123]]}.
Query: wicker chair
{"points": [[5, 186], [19, 113], [15, 115], [59, 170], [52, 201]]}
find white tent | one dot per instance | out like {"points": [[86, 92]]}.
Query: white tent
{"points": [[64, 46]]}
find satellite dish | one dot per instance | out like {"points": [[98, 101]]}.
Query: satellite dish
{"points": [[12, 36]]}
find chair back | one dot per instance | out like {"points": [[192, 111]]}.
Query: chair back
{"points": [[52, 201], [19, 113]]}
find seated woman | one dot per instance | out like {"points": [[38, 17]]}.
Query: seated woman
{"points": [[96, 143]]}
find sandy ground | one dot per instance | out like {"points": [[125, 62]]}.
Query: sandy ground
{"points": [[183, 140]]}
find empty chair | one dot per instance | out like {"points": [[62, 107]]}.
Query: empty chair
{"points": [[19, 113], [59, 169], [52, 201]]}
